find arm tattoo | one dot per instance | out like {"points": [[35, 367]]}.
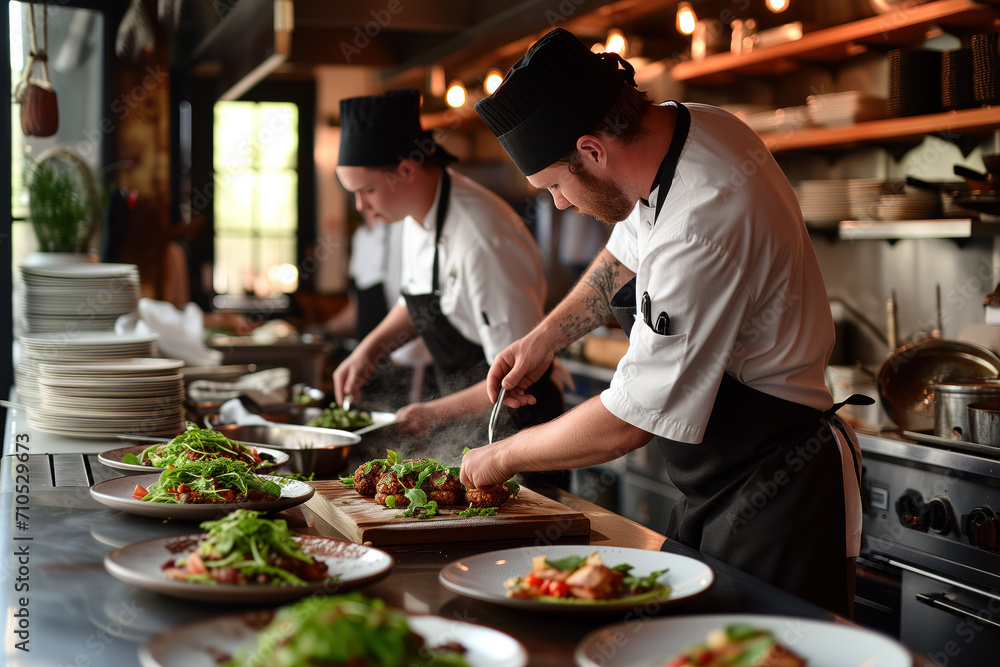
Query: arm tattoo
{"points": [[603, 279]]}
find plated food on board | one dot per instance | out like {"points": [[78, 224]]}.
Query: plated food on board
{"points": [[195, 444], [214, 481], [423, 485], [242, 548], [738, 646], [576, 577]]}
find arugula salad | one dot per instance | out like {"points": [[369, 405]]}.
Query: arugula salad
{"points": [[208, 482], [344, 630], [243, 548], [334, 416], [584, 578], [194, 444]]}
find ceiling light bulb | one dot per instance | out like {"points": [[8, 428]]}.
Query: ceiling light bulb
{"points": [[455, 97], [492, 81], [616, 42], [686, 18], [776, 6]]}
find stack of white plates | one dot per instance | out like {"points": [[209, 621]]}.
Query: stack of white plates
{"points": [[914, 204], [101, 399], [863, 196], [79, 347], [844, 108], [824, 202], [76, 297], [787, 119]]}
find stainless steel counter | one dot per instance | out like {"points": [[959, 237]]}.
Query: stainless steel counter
{"points": [[70, 611]]}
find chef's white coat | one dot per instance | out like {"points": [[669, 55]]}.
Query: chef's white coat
{"points": [[489, 267], [730, 261]]}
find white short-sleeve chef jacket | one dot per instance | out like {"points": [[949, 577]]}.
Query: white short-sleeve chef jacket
{"points": [[730, 262], [489, 267]]}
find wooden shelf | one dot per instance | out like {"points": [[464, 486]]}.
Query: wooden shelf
{"points": [[951, 125], [904, 27]]}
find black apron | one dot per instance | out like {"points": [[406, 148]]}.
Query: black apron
{"points": [[460, 363], [372, 309], [764, 489]]}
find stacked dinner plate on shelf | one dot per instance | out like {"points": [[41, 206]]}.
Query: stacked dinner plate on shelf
{"points": [[824, 202], [912, 204], [851, 106], [863, 196], [78, 296], [99, 399]]}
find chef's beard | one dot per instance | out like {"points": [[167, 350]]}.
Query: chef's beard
{"points": [[608, 201]]}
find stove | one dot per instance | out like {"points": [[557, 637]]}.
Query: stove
{"points": [[929, 570]]}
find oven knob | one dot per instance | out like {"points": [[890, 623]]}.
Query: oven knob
{"points": [[937, 515], [910, 509], [983, 529]]}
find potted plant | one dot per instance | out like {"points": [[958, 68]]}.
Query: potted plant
{"points": [[63, 203]]}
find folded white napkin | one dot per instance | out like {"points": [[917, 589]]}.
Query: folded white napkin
{"points": [[233, 412], [267, 382], [181, 332]]}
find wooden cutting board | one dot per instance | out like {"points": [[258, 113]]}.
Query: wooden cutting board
{"points": [[529, 517]]}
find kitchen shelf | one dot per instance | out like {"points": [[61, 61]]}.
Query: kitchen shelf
{"points": [[951, 125], [903, 27], [958, 228]]}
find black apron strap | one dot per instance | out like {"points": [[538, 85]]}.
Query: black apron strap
{"points": [[668, 166]]}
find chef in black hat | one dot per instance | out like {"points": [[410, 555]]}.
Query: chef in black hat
{"points": [[710, 271], [471, 275]]}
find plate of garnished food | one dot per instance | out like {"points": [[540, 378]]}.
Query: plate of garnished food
{"points": [[201, 490], [738, 640], [346, 629], [247, 558], [192, 444], [578, 579]]}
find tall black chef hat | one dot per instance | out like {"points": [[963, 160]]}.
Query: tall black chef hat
{"points": [[384, 129], [559, 91]]}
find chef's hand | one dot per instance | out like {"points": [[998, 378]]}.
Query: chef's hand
{"points": [[350, 376], [481, 468], [416, 419], [517, 367]]}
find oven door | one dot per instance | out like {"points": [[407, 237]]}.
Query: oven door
{"points": [[952, 622]]}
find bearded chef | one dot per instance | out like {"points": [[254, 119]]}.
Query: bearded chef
{"points": [[471, 274], [710, 270]]}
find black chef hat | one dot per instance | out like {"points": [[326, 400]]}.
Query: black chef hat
{"points": [[384, 129], [559, 91]]}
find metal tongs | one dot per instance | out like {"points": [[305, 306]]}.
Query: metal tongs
{"points": [[494, 414]]}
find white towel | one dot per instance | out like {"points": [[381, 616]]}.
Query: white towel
{"points": [[268, 382], [181, 332]]}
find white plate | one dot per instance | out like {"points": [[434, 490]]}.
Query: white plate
{"points": [[113, 458], [201, 644], [117, 493], [141, 564], [482, 576], [654, 642], [86, 338]]}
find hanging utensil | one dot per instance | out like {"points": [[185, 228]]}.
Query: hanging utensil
{"points": [[494, 414]]}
